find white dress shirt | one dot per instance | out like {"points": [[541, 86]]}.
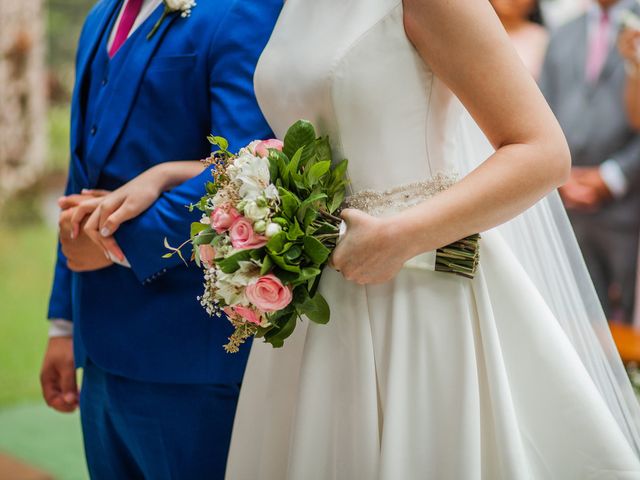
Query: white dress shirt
{"points": [[610, 170], [59, 327]]}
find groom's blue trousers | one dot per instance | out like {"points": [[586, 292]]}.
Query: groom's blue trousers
{"points": [[154, 431]]}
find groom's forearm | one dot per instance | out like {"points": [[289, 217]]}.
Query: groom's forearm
{"points": [[142, 238]]}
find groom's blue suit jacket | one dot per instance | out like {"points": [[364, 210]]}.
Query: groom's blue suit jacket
{"points": [[156, 101]]}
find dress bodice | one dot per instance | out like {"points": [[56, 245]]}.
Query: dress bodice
{"points": [[348, 67]]}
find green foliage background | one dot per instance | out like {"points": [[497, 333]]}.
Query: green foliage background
{"points": [[28, 429]]}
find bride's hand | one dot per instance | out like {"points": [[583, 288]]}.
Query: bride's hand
{"points": [[369, 253], [106, 214]]}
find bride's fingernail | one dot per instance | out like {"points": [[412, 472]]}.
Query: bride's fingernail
{"points": [[72, 235], [105, 232]]}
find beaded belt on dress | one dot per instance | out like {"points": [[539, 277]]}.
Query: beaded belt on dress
{"points": [[375, 202]]}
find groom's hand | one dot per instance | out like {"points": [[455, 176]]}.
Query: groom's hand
{"points": [[82, 253], [58, 375]]}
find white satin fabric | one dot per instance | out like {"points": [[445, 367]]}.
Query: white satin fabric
{"points": [[429, 376]]}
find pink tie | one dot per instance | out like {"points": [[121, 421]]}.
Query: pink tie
{"points": [[131, 11], [598, 49]]}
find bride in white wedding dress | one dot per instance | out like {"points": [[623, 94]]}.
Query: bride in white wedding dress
{"points": [[424, 375]]}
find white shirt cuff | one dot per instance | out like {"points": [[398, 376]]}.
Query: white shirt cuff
{"points": [[60, 328], [614, 177]]}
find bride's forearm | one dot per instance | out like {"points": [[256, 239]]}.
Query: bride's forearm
{"points": [[509, 182], [171, 174], [467, 49]]}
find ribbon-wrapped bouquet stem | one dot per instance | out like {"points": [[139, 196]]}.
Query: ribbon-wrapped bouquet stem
{"points": [[269, 225]]}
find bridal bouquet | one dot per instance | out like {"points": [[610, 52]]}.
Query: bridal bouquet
{"points": [[268, 227]]}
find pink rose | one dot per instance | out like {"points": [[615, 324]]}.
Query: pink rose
{"points": [[246, 313], [207, 255], [269, 294], [262, 148], [243, 237], [223, 217]]}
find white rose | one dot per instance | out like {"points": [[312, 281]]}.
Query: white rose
{"points": [[272, 229], [254, 212]]}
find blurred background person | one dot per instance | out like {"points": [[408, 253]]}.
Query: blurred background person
{"points": [[629, 48], [522, 19], [583, 79]]}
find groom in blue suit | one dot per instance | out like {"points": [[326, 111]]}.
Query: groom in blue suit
{"points": [[159, 393]]}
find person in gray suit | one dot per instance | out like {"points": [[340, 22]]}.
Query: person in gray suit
{"points": [[583, 79]]}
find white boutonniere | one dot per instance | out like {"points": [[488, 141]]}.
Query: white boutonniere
{"points": [[173, 6]]}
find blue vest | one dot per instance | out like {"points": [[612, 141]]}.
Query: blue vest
{"points": [[156, 101], [96, 98]]}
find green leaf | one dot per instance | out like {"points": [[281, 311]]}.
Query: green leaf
{"points": [[309, 155], [295, 232], [197, 227], [316, 309], [218, 141], [290, 203], [315, 250], [204, 238], [336, 201], [307, 273], [267, 264], [274, 169], [282, 263], [308, 202], [283, 222], [276, 244], [299, 135], [309, 218], [294, 166], [293, 255], [317, 171], [231, 264], [339, 171], [323, 149], [277, 336]]}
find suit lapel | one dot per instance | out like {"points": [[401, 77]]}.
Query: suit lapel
{"points": [[581, 51], [124, 92], [613, 60], [94, 33]]}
